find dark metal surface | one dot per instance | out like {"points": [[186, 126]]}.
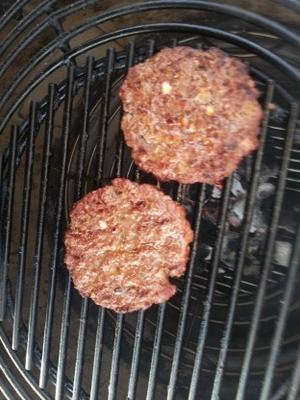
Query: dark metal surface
{"points": [[232, 330]]}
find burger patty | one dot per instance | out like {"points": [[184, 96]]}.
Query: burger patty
{"points": [[123, 243], [190, 115]]}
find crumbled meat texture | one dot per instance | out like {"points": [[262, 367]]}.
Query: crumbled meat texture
{"points": [[190, 115], [123, 243]]}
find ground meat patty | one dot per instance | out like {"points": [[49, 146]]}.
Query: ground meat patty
{"points": [[190, 115], [124, 242]]}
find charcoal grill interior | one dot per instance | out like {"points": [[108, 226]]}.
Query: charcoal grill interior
{"points": [[233, 328]]}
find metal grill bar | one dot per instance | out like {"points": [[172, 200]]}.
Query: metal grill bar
{"points": [[161, 307], [295, 381], [58, 220], [138, 340], [65, 11], [8, 222], [158, 334], [80, 349], [247, 289], [18, 364], [104, 118], [113, 380], [101, 152], [17, 7], [6, 393], [150, 47], [262, 52], [43, 194], [251, 200], [120, 151], [156, 351], [63, 342], [269, 253], [209, 298], [25, 23], [120, 156], [41, 219], [110, 56], [78, 194], [11, 378], [1, 182], [24, 226], [84, 133], [254, 18], [120, 318], [167, 27], [185, 300], [236, 12], [67, 293], [60, 42], [281, 322], [97, 354]]}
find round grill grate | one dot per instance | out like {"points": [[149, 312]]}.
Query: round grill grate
{"points": [[64, 113]]}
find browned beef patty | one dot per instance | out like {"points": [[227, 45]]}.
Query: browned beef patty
{"points": [[190, 115], [123, 243]]}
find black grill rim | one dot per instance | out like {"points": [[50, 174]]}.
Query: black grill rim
{"points": [[67, 59], [291, 71], [63, 39]]}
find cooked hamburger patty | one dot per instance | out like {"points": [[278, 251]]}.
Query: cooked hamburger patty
{"points": [[123, 243], [190, 115]]}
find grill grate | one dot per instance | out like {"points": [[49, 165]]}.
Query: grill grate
{"points": [[231, 330]]}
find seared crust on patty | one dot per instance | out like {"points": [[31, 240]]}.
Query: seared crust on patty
{"points": [[123, 243], [190, 115]]}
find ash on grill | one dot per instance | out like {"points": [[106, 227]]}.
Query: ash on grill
{"points": [[259, 226]]}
